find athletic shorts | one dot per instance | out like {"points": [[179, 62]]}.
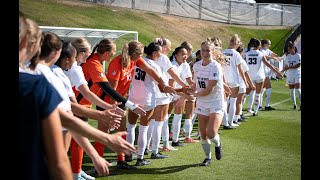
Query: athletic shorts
{"points": [[242, 90], [164, 100], [206, 110], [233, 84], [293, 80], [257, 81], [148, 107]]}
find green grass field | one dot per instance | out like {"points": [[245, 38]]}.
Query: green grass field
{"points": [[268, 146]]}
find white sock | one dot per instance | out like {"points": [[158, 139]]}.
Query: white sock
{"points": [[131, 136], [188, 127], [216, 140], [194, 117], [76, 175], [165, 132], [261, 97], [298, 92], [236, 117], [268, 95], [251, 99], [176, 124], [232, 109], [225, 114], [206, 148], [245, 98], [142, 140], [293, 96], [149, 133], [156, 136], [256, 103]]}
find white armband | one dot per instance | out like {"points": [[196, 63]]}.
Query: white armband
{"points": [[131, 105]]}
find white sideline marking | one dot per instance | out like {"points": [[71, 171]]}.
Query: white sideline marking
{"points": [[280, 102]]}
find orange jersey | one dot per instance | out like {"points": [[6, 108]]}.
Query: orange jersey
{"points": [[122, 75], [94, 73]]}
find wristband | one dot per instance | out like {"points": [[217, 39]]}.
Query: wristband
{"points": [[131, 105]]}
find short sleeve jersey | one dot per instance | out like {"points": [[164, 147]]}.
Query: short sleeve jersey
{"points": [[93, 72], [75, 75], [65, 80], [143, 86], [255, 64], [57, 83], [164, 63], [122, 75], [202, 75], [292, 60], [232, 61], [183, 71], [37, 100]]}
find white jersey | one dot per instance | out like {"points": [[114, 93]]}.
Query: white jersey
{"points": [[143, 86], [292, 60], [255, 64], [267, 52], [75, 75], [56, 83], [183, 71], [231, 72], [202, 75], [164, 63], [245, 68], [66, 82]]}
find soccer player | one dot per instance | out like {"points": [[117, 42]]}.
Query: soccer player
{"points": [[209, 90], [255, 60], [293, 72]]}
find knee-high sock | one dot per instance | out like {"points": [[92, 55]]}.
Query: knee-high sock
{"points": [[251, 99], [293, 96], [188, 127], [206, 148], [216, 140], [76, 156], [99, 147], [194, 117], [232, 109], [268, 95], [256, 103], [298, 92], [245, 98], [149, 133], [176, 124], [142, 140], [120, 155], [225, 114], [131, 136], [156, 136], [261, 97], [165, 132]]}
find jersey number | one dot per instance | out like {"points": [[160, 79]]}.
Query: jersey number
{"points": [[202, 84], [252, 61], [140, 75]]}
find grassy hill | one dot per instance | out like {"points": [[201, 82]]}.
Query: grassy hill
{"points": [[77, 13]]}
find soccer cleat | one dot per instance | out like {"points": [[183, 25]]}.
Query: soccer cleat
{"points": [[243, 117], [236, 122], [190, 140], [142, 162], [218, 152], [294, 106], [158, 156], [260, 107], [242, 120], [268, 108], [229, 127], [254, 114], [124, 165], [128, 158], [234, 125], [146, 152], [86, 176], [178, 143], [249, 111], [205, 162]]}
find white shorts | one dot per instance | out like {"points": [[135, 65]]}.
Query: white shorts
{"points": [[148, 107], [293, 80], [233, 84], [164, 100], [206, 110], [242, 90], [267, 71], [258, 81]]}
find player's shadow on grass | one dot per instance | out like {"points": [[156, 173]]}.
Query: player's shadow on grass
{"points": [[163, 170]]}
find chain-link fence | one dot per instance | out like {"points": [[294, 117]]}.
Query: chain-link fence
{"points": [[225, 11]]}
